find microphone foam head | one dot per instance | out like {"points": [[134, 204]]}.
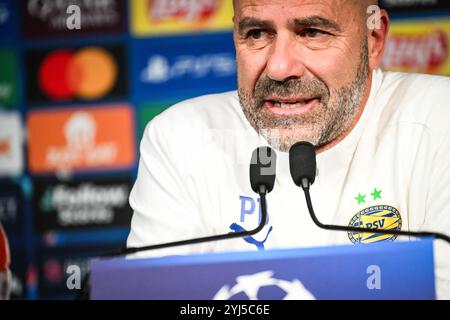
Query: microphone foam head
{"points": [[263, 168], [302, 162]]}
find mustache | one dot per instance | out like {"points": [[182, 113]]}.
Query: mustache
{"points": [[293, 87]]}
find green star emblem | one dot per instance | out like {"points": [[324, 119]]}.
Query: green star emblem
{"points": [[361, 198], [376, 194]]}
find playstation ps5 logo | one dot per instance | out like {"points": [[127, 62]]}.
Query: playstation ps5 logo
{"points": [[159, 69]]}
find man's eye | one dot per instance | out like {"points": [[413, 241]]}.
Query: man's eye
{"points": [[312, 33], [255, 34]]}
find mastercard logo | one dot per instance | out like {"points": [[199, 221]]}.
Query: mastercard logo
{"points": [[88, 74]]}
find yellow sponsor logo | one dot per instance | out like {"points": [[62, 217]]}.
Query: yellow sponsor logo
{"points": [[419, 46], [152, 17]]}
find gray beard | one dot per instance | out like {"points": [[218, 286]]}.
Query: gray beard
{"points": [[328, 120]]}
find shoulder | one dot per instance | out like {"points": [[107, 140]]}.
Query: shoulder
{"points": [[420, 83], [191, 119], [418, 99], [419, 94], [207, 110]]}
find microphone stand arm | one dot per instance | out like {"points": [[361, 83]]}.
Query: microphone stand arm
{"points": [[262, 193], [305, 186]]}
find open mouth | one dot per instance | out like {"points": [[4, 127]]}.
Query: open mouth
{"points": [[293, 105]]}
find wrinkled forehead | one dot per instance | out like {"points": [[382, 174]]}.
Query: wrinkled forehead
{"points": [[333, 9]]}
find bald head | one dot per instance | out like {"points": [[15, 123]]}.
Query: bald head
{"points": [[364, 4], [355, 11]]}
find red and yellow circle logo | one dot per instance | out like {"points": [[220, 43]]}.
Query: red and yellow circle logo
{"points": [[88, 74]]}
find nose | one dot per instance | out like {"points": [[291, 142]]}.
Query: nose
{"points": [[284, 61]]}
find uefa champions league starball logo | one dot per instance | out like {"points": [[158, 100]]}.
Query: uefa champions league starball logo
{"points": [[263, 285]]}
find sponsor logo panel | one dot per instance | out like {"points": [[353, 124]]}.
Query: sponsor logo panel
{"points": [[76, 74], [68, 205], [9, 80], [42, 18], [147, 112], [59, 270], [400, 6], [11, 144], [11, 210], [8, 20], [22, 277], [81, 139], [153, 17], [184, 66], [418, 46]]}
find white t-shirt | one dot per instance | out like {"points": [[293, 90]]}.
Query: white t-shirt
{"points": [[391, 171]]}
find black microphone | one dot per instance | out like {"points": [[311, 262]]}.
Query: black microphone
{"points": [[263, 169], [262, 180], [302, 162]]}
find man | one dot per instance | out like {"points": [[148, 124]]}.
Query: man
{"points": [[307, 70]]}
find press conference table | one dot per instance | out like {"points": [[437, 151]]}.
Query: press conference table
{"points": [[388, 270]]}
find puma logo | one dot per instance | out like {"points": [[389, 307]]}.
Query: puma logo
{"points": [[259, 244]]}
